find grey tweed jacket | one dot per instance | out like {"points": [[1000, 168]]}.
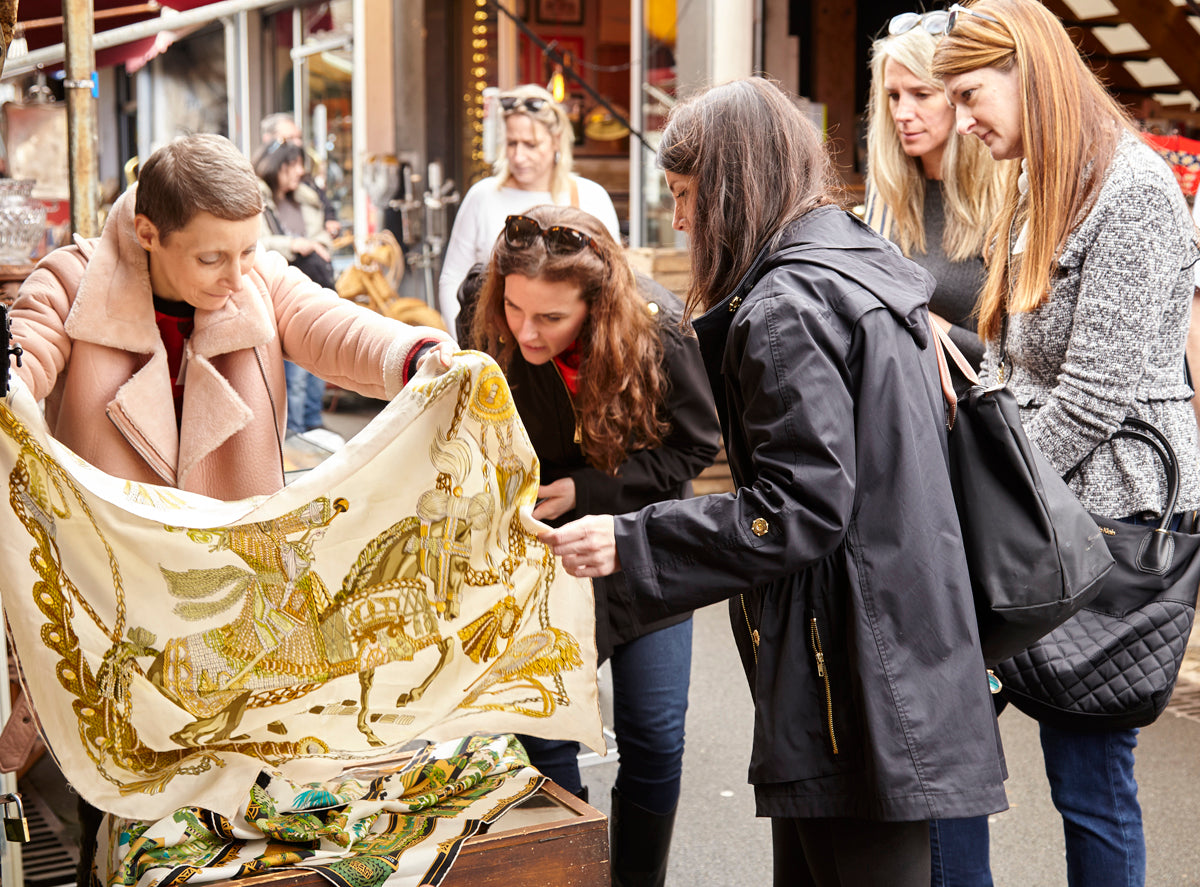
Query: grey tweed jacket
{"points": [[1109, 342]]}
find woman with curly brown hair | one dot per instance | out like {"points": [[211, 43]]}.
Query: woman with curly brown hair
{"points": [[613, 394]]}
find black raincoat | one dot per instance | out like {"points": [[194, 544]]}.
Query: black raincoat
{"points": [[840, 552]]}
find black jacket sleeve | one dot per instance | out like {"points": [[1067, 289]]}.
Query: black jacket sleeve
{"points": [[793, 412]]}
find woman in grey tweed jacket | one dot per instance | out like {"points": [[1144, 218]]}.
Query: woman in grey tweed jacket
{"points": [[1092, 264]]}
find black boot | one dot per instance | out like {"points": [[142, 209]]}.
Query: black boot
{"points": [[641, 842]]}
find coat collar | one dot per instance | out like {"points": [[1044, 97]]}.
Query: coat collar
{"points": [[113, 306]]}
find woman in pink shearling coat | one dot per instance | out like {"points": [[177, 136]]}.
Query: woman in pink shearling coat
{"points": [[199, 404], [158, 346]]}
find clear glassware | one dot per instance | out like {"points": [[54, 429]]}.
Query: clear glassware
{"points": [[22, 221]]}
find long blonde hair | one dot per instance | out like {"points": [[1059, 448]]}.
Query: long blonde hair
{"points": [[552, 116], [1070, 129], [972, 183]]}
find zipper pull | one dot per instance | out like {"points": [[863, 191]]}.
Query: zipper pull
{"points": [[820, 664], [754, 636], [578, 434]]}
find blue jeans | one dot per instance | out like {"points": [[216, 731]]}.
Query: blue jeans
{"points": [[1093, 787], [959, 852], [304, 393], [650, 676]]}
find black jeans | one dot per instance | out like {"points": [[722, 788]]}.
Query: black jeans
{"points": [[839, 852]]}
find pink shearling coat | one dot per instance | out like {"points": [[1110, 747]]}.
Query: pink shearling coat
{"points": [[85, 319]]}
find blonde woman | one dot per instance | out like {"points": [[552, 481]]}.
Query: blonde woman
{"points": [[535, 169], [930, 190]]}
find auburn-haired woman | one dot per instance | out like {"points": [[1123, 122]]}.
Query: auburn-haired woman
{"points": [[612, 391], [1085, 313]]}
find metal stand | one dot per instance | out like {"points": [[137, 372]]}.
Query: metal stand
{"points": [[428, 228]]}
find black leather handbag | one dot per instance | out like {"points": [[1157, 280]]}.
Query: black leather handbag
{"points": [[1114, 664], [1034, 553]]}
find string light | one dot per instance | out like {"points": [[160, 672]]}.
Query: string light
{"points": [[479, 57]]}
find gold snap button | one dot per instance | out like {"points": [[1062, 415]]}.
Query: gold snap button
{"points": [[652, 308], [759, 527]]}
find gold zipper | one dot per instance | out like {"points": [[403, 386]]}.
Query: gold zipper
{"points": [[823, 673], [753, 633], [570, 400]]}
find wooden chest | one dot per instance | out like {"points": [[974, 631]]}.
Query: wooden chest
{"points": [[552, 840]]}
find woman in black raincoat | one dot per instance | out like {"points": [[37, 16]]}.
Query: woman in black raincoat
{"points": [[840, 552]]}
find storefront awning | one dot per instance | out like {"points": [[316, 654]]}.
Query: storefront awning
{"points": [[125, 31]]}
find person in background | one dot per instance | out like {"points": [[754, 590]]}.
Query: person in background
{"points": [[931, 191], [1085, 314], [840, 551], [293, 226], [613, 394], [281, 127], [177, 281], [534, 169]]}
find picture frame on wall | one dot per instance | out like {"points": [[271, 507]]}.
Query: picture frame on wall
{"points": [[560, 12]]}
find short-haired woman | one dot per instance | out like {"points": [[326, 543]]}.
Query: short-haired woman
{"points": [[1085, 314], [840, 551], [534, 169], [177, 279], [613, 394]]}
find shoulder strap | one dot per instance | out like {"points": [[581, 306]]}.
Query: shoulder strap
{"points": [[273, 220], [877, 216]]}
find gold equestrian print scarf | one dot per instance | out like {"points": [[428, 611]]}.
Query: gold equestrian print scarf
{"points": [[175, 646]]}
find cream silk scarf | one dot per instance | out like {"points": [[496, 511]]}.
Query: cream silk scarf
{"points": [[176, 646]]}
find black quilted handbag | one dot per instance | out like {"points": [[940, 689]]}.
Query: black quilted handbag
{"points": [[1034, 554], [1113, 665]]}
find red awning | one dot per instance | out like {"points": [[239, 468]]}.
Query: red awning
{"points": [[41, 23]]}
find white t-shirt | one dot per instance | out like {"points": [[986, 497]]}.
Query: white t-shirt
{"points": [[481, 218]]}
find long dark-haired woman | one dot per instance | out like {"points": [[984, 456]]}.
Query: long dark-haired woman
{"points": [[613, 395], [840, 551], [1085, 313]]}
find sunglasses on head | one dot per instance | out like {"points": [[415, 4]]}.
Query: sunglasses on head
{"points": [[936, 22], [933, 22], [520, 232], [953, 12], [532, 104]]}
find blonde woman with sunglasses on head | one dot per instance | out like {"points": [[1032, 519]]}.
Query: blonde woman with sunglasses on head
{"points": [[1085, 313], [613, 394], [534, 169], [929, 190]]}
